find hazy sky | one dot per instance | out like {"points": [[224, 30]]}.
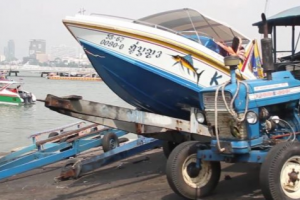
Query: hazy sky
{"points": [[23, 20]]}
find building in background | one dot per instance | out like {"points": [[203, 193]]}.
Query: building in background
{"points": [[2, 58], [59, 56], [68, 56], [9, 51], [36, 47], [42, 57], [37, 51], [63, 51]]}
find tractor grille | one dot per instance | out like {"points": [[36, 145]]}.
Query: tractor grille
{"points": [[209, 101], [227, 126]]}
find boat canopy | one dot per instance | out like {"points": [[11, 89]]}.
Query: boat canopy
{"points": [[190, 22], [9, 84]]}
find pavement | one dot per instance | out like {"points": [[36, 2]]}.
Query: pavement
{"points": [[139, 177]]}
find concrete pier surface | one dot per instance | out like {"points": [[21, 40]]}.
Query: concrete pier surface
{"points": [[139, 177]]}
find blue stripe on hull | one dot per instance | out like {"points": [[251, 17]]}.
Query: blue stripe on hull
{"points": [[143, 86]]}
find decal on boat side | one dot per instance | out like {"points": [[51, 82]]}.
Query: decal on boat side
{"points": [[187, 62], [139, 50], [157, 55], [214, 79], [136, 49]]}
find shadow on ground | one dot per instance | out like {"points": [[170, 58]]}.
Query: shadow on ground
{"points": [[133, 174], [241, 183], [141, 177]]}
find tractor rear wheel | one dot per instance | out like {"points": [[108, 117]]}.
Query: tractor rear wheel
{"points": [[280, 172]]}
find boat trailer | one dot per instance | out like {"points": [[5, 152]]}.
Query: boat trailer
{"points": [[131, 120], [110, 123], [62, 144], [146, 125]]}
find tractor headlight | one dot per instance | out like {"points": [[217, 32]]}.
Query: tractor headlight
{"points": [[251, 117], [200, 117]]}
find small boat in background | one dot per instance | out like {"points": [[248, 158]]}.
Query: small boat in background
{"points": [[74, 76], [12, 94], [69, 78], [159, 63]]}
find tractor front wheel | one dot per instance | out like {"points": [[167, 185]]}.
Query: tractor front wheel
{"points": [[185, 178]]}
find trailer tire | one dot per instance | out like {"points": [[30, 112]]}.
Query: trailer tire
{"points": [[110, 141], [168, 147], [53, 134], [183, 176], [281, 167]]}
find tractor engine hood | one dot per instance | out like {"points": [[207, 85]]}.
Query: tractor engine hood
{"points": [[261, 92]]}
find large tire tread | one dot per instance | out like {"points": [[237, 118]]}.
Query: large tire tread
{"points": [[174, 168], [271, 169], [173, 159]]}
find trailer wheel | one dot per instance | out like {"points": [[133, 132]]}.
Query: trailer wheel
{"points": [[110, 141], [53, 134], [185, 178], [279, 173], [168, 147]]}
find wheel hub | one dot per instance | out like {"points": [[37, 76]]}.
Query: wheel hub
{"points": [[112, 144], [194, 176], [289, 178], [193, 170], [293, 177]]}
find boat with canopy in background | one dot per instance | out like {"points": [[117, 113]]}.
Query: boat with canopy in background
{"points": [[12, 94]]}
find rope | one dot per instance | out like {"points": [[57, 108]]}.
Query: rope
{"points": [[230, 108], [293, 132], [216, 119]]}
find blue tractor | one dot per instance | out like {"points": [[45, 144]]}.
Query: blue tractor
{"points": [[256, 121]]}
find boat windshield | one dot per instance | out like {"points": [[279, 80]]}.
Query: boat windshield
{"points": [[15, 85], [9, 85], [2, 85], [193, 25]]}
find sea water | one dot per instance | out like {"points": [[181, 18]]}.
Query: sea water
{"points": [[19, 122]]}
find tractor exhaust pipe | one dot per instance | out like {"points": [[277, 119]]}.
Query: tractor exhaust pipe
{"points": [[266, 46]]}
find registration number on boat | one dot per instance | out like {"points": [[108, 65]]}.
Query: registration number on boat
{"points": [[113, 41], [135, 47]]}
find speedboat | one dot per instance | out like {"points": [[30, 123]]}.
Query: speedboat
{"points": [[160, 63], [11, 93]]}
